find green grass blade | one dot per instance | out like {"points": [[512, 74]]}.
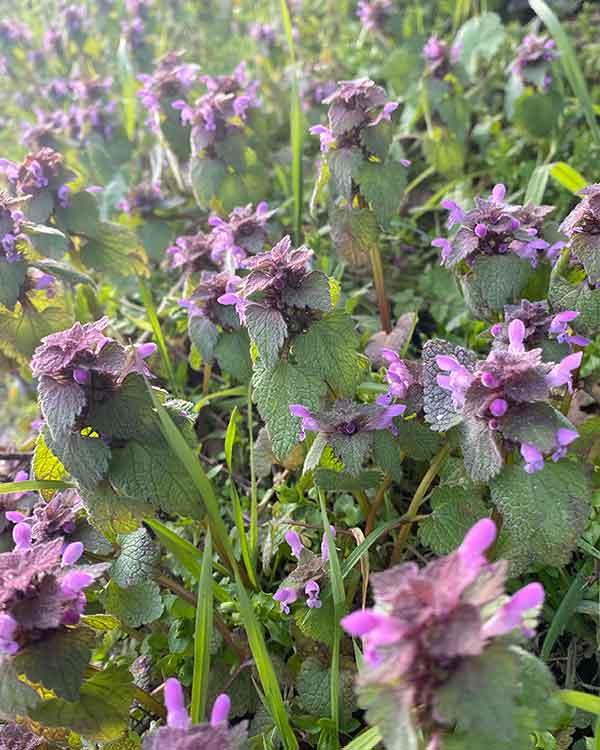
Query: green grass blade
{"points": [[238, 390], [230, 436], [148, 302], [129, 87], [584, 701], [365, 741], [184, 552], [339, 598], [296, 126], [30, 485], [203, 636], [565, 611], [569, 62], [354, 557], [536, 187], [241, 529], [568, 177], [265, 668]]}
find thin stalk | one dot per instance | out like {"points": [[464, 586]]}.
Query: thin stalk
{"points": [[376, 504], [206, 378], [379, 281], [253, 488], [419, 499]]}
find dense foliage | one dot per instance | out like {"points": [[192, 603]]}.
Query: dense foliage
{"points": [[299, 361]]}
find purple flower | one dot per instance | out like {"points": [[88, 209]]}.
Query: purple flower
{"points": [[582, 227], [534, 459], [534, 57], [177, 715], [427, 623], [561, 373], [206, 298], [374, 13], [293, 539], [10, 231], [192, 253], [264, 32], [440, 57], [285, 597], [170, 81], [142, 199], [312, 590], [244, 232]]}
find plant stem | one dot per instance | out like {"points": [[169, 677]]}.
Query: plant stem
{"points": [[206, 378], [376, 504], [253, 489], [419, 499], [379, 281]]}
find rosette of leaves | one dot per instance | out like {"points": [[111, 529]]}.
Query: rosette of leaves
{"points": [[214, 329], [101, 425], [498, 252], [498, 403], [443, 656], [532, 101], [364, 177], [575, 280]]}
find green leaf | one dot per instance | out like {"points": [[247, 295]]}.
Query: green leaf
{"points": [[127, 412], [204, 335], [58, 661], [45, 465], [49, 241], [21, 333], [317, 623], [341, 481], [566, 610], [63, 271], [537, 113], [39, 208], [536, 424], [16, 697], [382, 186], [151, 312], [583, 701], [564, 295], [233, 354], [85, 458], [386, 454], [496, 281], [355, 233], [568, 177], [61, 404], [151, 473], [352, 449], [314, 292], [453, 512], [203, 636], [206, 176], [344, 163], [544, 513], [313, 694], [479, 38], [12, 276], [102, 712], [480, 449], [268, 330], [137, 561], [536, 187], [81, 216], [274, 391], [416, 439], [115, 246], [136, 605], [184, 552], [391, 715], [230, 436], [328, 350], [110, 513]]}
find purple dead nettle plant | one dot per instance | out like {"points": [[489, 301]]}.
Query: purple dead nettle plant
{"points": [[374, 13], [508, 392], [191, 253], [41, 589], [304, 579], [348, 428], [220, 112], [582, 228], [440, 57], [12, 236], [142, 199], [243, 233], [534, 61], [265, 33], [495, 227], [42, 171], [181, 734], [429, 624], [79, 366], [355, 105], [170, 82], [48, 520], [280, 296], [15, 736]]}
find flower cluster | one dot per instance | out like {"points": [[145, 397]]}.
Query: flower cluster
{"points": [[265, 33], [540, 325], [314, 90], [304, 578], [582, 227], [427, 623], [204, 300], [181, 734], [14, 736], [354, 105], [142, 199], [70, 363], [494, 227], [405, 379], [11, 230], [374, 13], [534, 57], [498, 389], [169, 82], [222, 110], [440, 57], [50, 519], [39, 171], [41, 588]]}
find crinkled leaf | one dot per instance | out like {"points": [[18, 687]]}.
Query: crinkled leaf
{"points": [[274, 391], [543, 513], [138, 559], [437, 402], [344, 163], [377, 140], [102, 711], [127, 412], [203, 334], [386, 453], [536, 424], [21, 332], [110, 513], [150, 473], [480, 449], [352, 449], [12, 276], [388, 709], [382, 186], [16, 697], [85, 458], [206, 176], [355, 233], [313, 457], [317, 623], [115, 246], [268, 330], [136, 605], [480, 37], [566, 296], [233, 354], [453, 512], [328, 350], [313, 692], [340, 481], [59, 660], [82, 215], [63, 271], [45, 465], [313, 293], [496, 281], [49, 241], [61, 404], [416, 439]]}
